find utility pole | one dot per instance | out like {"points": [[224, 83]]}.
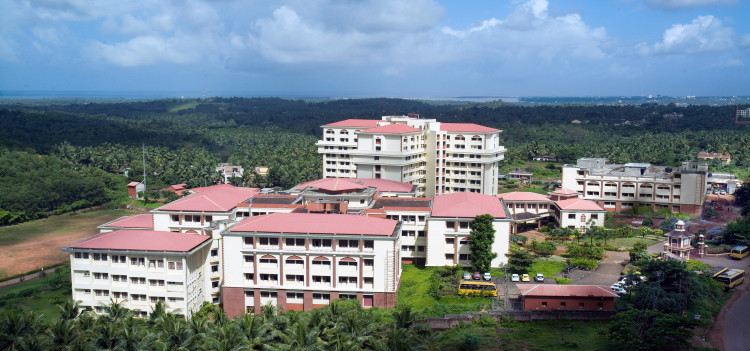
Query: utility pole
{"points": [[144, 169]]}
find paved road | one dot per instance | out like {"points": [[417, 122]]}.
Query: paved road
{"points": [[607, 273], [27, 277], [737, 324]]}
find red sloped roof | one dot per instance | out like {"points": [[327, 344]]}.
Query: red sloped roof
{"points": [[523, 196], [218, 198], [466, 127], [338, 184], [353, 122], [316, 223], [578, 205], [565, 290], [396, 128], [137, 221], [142, 240], [466, 204]]}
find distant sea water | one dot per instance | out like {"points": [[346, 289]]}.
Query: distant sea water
{"points": [[137, 95]]}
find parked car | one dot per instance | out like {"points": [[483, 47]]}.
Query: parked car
{"points": [[487, 276], [539, 277], [617, 285], [618, 290], [467, 276], [477, 276], [723, 192], [525, 278], [515, 278]]}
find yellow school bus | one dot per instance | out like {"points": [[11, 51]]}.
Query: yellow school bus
{"points": [[739, 252], [476, 288], [731, 278]]}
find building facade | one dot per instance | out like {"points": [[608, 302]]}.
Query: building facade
{"points": [[301, 261], [139, 268], [623, 187], [438, 158]]}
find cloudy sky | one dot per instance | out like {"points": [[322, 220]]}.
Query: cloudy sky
{"points": [[404, 48]]}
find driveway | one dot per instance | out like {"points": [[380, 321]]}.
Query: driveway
{"points": [[607, 273]]}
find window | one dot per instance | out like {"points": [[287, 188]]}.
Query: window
{"points": [[347, 263], [215, 268], [369, 244], [450, 225], [544, 303], [268, 260], [248, 240], [571, 216], [321, 262], [214, 252], [100, 257], [449, 257], [209, 218], [118, 259], [294, 261], [600, 305], [563, 304], [137, 261], [155, 282], [347, 280], [463, 225], [450, 241], [420, 248], [269, 241], [594, 216], [580, 304], [349, 243], [321, 279], [249, 258], [321, 242], [101, 276], [368, 280], [215, 284], [463, 257], [369, 262], [175, 218], [296, 278], [294, 242], [296, 296], [269, 278]]}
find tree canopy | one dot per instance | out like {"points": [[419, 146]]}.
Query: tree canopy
{"points": [[482, 236]]}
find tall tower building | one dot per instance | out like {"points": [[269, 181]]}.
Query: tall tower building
{"points": [[439, 158]]}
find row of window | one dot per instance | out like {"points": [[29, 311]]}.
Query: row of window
{"points": [[134, 261], [191, 218], [316, 243], [630, 185], [318, 261], [291, 278]]}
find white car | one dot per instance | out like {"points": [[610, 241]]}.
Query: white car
{"points": [[539, 277], [467, 276], [515, 278], [487, 276], [618, 290], [617, 285]]}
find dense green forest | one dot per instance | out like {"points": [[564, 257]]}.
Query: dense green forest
{"points": [[185, 139]]}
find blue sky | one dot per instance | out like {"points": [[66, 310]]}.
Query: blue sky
{"points": [[358, 48]]}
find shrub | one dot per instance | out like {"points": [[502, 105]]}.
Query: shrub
{"points": [[585, 263], [647, 222], [543, 248], [563, 280]]}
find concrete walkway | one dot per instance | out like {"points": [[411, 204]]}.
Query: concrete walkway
{"points": [[27, 277]]}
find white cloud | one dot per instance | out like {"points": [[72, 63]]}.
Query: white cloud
{"points": [[703, 34], [529, 31], [745, 41], [680, 4]]}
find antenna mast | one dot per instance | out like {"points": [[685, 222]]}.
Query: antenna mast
{"points": [[144, 167]]}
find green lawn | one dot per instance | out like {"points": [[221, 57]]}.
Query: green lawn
{"points": [[538, 168], [183, 106], [40, 295], [548, 268], [415, 283], [61, 224], [629, 242]]}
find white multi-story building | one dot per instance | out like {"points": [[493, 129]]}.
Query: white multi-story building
{"points": [[140, 268], [622, 187], [439, 158], [301, 261], [448, 228], [195, 214]]}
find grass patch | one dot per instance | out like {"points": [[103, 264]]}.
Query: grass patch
{"points": [[563, 280], [183, 106], [62, 224], [629, 242], [548, 268], [150, 204], [538, 168], [415, 283], [40, 295], [541, 335]]}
